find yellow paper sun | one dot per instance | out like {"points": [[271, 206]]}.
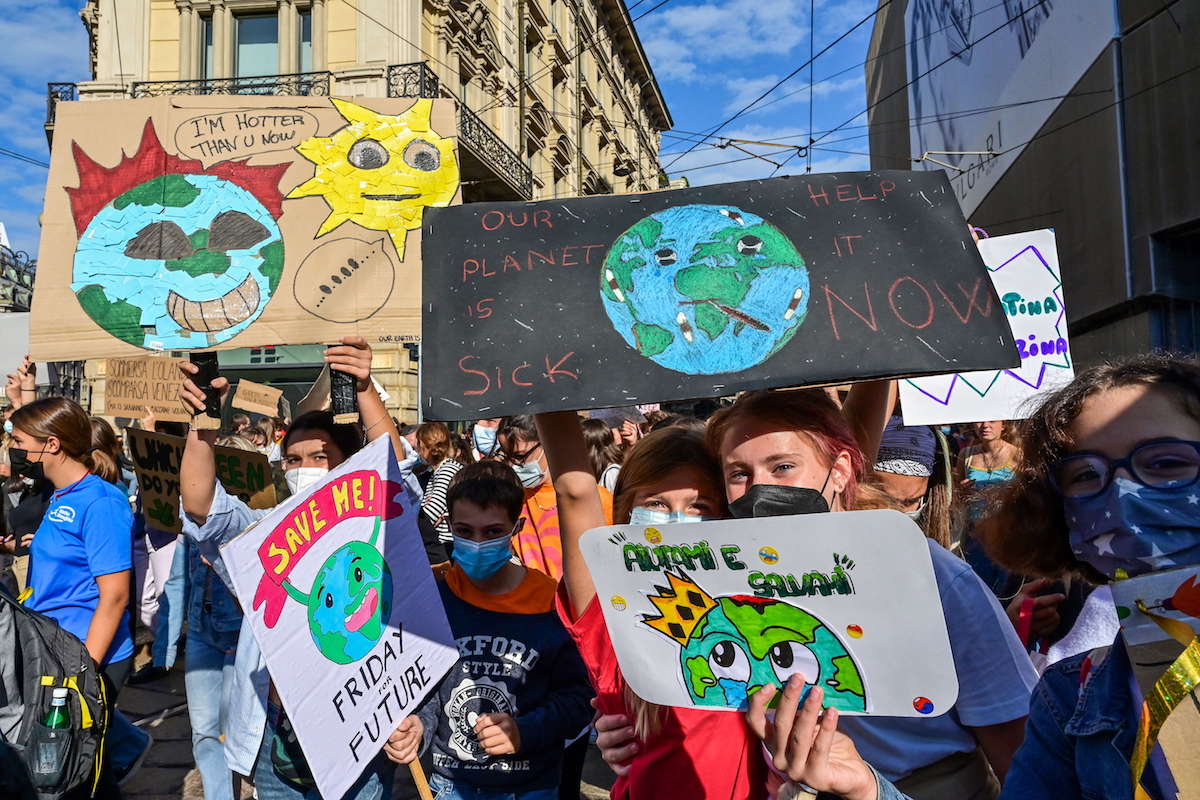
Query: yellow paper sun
{"points": [[381, 171]]}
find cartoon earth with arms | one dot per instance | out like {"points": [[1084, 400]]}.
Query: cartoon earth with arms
{"points": [[351, 601], [705, 289], [733, 646]]}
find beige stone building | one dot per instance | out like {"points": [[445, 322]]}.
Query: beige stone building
{"points": [[556, 98]]}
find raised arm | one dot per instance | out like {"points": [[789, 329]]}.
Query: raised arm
{"points": [[198, 467], [579, 506], [867, 408], [353, 355]]}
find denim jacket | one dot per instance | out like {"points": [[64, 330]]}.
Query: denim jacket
{"points": [[247, 714], [1078, 740], [212, 612]]}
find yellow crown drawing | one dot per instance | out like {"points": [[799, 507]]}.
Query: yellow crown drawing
{"points": [[680, 607]]}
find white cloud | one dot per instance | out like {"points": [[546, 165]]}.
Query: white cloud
{"points": [[683, 40], [745, 90]]}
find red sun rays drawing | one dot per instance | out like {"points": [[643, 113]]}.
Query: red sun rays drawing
{"points": [[98, 185]]}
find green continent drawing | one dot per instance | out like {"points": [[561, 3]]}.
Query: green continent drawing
{"points": [[733, 646], [705, 289], [350, 602]]}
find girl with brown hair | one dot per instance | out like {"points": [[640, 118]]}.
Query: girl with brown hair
{"points": [[80, 557], [437, 450]]}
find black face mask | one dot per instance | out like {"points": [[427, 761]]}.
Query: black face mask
{"points": [[19, 464], [772, 500]]}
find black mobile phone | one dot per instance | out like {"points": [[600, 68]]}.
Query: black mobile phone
{"points": [[343, 397], [209, 371]]}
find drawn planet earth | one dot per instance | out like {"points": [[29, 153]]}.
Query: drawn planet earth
{"points": [[178, 262], [744, 643], [705, 289], [351, 603]]}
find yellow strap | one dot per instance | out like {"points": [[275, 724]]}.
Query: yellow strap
{"points": [[85, 714], [71, 682], [1180, 679], [25, 595]]}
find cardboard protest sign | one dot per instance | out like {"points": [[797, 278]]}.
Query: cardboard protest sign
{"points": [[1173, 596], [133, 384], [700, 614], [346, 612], [257, 398], [14, 332], [628, 299], [212, 222], [156, 458], [1024, 270]]}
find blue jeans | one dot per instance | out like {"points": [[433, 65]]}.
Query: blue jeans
{"points": [[172, 610], [208, 676], [446, 789], [374, 784]]}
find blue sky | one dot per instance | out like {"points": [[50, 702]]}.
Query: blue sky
{"points": [[711, 58]]}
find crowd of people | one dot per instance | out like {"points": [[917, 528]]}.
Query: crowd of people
{"points": [[1027, 524]]}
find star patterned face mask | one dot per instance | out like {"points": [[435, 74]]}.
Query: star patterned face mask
{"points": [[1136, 528]]}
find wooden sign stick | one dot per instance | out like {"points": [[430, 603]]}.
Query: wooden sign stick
{"points": [[418, 776]]}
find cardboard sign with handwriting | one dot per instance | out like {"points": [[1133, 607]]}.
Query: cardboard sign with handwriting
{"points": [[156, 458], [132, 384], [621, 300], [257, 398], [214, 222]]}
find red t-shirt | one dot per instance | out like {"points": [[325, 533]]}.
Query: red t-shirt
{"points": [[700, 755]]}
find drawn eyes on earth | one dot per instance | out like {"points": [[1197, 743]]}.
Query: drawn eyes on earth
{"points": [[749, 245], [666, 257]]}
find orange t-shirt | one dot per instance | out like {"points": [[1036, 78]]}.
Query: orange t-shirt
{"points": [[538, 544], [534, 595]]}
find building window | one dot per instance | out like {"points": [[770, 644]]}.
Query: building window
{"points": [[306, 63], [256, 45], [206, 47]]}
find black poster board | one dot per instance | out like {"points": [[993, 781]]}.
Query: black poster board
{"points": [[618, 300]]}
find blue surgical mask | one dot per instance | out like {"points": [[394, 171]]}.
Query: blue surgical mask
{"points": [[482, 560], [1135, 528], [646, 516], [530, 474], [485, 439], [945, 429]]}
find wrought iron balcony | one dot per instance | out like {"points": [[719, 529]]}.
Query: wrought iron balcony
{"points": [[491, 149], [17, 274], [412, 80], [56, 92], [417, 80], [298, 84]]}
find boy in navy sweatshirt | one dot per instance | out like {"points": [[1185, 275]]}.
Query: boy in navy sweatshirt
{"points": [[500, 717]]}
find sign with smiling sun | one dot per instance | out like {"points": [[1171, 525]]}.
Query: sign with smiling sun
{"points": [[206, 223]]}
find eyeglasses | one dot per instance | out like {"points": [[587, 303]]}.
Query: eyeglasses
{"points": [[1161, 465], [517, 459]]}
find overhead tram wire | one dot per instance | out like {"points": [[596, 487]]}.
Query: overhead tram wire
{"points": [[942, 63], [686, 136], [24, 158], [793, 74]]}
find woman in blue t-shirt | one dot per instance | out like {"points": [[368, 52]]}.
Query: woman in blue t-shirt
{"points": [[81, 556]]}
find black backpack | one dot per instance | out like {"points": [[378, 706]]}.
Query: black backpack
{"points": [[36, 657]]}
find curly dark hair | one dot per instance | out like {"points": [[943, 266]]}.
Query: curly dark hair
{"points": [[1026, 532]]}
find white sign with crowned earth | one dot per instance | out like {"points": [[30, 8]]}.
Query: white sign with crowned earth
{"points": [[704, 615], [343, 605]]}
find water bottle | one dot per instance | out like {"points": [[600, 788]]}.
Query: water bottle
{"points": [[57, 719], [50, 743]]}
